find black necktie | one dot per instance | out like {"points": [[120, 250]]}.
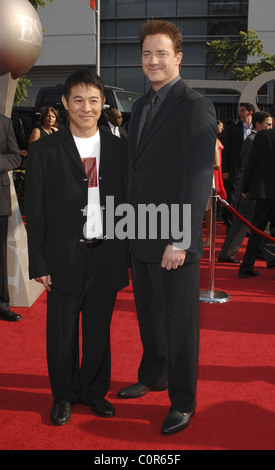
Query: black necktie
{"points": [[149, 117]]}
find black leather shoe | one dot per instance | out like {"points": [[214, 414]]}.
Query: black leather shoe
{"points": [[100, 407], [61, 412], [245, 274], [139, 390], [8, 315], [229, 259], [176, 422]]}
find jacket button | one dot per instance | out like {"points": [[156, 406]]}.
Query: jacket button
{"points": [[134, 167]]}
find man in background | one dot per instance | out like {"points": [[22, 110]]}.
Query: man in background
{"points": [[10, 159], [114, 123], [245, 206], [231, 158]]}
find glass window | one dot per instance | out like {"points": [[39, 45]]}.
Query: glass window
{"points": [[128, 54], [193, 26], [193, 7], [107, 29], [108, 75], [161, 8], [128, 29], [131, 8], [194, 54], [223, 27], [130, 78], [108, 54], [108, 9], [227, 7]]}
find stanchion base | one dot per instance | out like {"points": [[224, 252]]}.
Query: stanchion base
{"points": [[213, 297]]}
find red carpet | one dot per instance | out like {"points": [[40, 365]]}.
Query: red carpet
{"points": [[235, 386]]}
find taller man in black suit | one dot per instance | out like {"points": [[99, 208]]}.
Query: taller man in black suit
{"points": [[10, 158], [259, 184], [69, 177], [170, 164]]}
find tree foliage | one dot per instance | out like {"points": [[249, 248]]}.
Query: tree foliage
{"points": [[21, 92], [236, 56]]}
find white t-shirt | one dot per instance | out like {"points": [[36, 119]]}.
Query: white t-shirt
{"points": [[89, 151]]}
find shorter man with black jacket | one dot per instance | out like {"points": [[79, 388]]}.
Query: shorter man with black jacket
{"points": [[69, 177], [10, 158]]}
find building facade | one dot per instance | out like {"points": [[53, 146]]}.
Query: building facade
{"points": [[70, 39], [199, 20]]}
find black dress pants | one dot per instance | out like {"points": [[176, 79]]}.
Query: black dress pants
{"points": [[264, 212], [4, 291], [69, 380], [167, 305]]}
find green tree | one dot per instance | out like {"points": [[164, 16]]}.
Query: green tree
{"points": [[23, 82], [234, 56]]}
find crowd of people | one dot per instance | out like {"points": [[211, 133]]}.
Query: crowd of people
{"points": [[170, 159], [246, 170]]}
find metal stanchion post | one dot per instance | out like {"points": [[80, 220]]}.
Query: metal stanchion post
{"points": [[212, 296]]}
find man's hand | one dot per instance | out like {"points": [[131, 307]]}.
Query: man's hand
{"points": [[46, 281], [225, 176], [172, 257]]}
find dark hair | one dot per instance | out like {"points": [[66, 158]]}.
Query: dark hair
{"points": [[248, 106], [44, 112], [151, 27], [86, 77], [272, 111], [260, 116]]}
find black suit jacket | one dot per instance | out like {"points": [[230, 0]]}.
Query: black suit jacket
{"points": [[231, 157], [122, 131], [245, 153], [260, 170], [173, 165], [10, 159], [56, 193]]}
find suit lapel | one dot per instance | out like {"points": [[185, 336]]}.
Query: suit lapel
{"points": [[71, 149], [134, 125], [171, 100], [104, 150]]}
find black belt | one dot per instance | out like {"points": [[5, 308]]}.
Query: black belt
{"points": [[93, 243]]}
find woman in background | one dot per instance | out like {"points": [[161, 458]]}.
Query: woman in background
{"points": [[217, 181], [48, 123]]}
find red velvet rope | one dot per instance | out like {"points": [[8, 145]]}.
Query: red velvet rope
{"points": [[245, 222]]}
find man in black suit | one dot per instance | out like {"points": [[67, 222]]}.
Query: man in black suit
{"points": [[170, 165], [259, 184], [237, 231], [231, 158], [69, 175], [10, 158], [114, 122]]}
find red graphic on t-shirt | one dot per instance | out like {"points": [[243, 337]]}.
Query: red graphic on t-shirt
{"points": [[91, 171]]}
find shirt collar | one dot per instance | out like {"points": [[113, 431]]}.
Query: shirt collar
{"points": [[163, 92]]}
